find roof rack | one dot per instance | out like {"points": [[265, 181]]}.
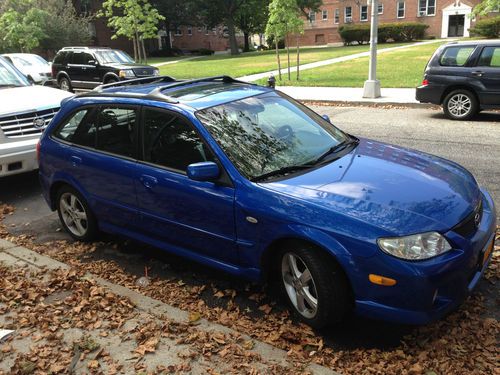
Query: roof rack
{"points": [[179, 83], [83, 48]]}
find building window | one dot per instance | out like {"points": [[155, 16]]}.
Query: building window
{"points": [[380, 8], [214, 30], [363, 13], [190, 30], [337, 16], [427, 7], [348, 14], [206, 30], [178, 31], [200, 29], [401, 9], [324, 15], [312, 17]]}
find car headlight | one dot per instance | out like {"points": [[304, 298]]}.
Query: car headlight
{"points": [[156, 72], [126, 73], [415, 247]]}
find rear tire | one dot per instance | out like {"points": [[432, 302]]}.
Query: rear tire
{"points": [[75, 215], [460, 105], [315, 286]]}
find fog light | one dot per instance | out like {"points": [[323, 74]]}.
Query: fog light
{"points": [[381, 280]]}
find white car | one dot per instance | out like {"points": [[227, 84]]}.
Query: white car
{"points": [[25, 111], [34, 67]]}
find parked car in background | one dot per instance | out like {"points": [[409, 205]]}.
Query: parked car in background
{"points": [[34, 67], [464, 78], [25, 111], [245, 179], [88, 67]]}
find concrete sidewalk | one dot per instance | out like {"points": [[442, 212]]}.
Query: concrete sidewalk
{"points": [[83, 335], [352, 95]]}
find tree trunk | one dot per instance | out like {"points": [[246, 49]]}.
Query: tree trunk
{"points": [[278, 56], [298, 58], [139, 53], [288, 56], [135, 49], [246, 48], [233, 43], [144, 51]]}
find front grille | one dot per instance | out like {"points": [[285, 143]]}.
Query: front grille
{"points": [[26, 124], [144, 72], [468, 226]]}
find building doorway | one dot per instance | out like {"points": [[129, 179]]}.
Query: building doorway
{"points": [[456, 25]]}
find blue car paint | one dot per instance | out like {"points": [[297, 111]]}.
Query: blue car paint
{"points": [[376, 190]]}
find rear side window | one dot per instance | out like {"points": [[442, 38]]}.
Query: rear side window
{"points": [[68, 130], [60, 57], [490, 56], [455, 56], [116, 131]]}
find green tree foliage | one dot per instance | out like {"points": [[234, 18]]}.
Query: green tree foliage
{"points": [[485, 7], [306, 6], [136, 20], [252, 19]]}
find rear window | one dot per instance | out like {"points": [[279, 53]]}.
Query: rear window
{"points": [[456, 56]]}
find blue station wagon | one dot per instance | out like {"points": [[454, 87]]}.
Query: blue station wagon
{"points": [[245, 179]]}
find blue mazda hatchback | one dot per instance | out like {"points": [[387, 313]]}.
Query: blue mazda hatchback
{"points": [[244, 179]]}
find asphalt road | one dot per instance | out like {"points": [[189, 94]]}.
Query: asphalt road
{"points": [[475, 145]]}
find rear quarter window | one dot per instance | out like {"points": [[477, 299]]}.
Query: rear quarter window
{"points": [[456, 56], [60, 57], [68, 129]]}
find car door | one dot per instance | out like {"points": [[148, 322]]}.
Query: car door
{"points": [[488, 72], [193, 215], [83, 70], [101, 161]]}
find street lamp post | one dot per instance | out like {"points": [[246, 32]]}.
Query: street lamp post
{"points": [[371, 88]]}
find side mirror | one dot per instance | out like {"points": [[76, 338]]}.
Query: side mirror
{"points": [[327, 118], [204, 171], [92, 62]]}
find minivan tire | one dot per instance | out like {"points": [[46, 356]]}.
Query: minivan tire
{"points": [[75, 215], [460, 105], [321, 278], [65, 84]]}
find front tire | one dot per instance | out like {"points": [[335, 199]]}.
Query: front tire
{"points": [[460, 105], [75, 215], [65, 84], [314, 285]]}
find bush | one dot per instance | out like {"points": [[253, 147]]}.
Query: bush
{"points": [[202, 51], [396, 32], [272, 45], [489, 28]]}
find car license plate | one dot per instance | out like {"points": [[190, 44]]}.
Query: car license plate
{"points": [[488, 251]]}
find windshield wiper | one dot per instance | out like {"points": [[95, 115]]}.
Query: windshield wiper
{"points": [[335, 149], [282, 171]]}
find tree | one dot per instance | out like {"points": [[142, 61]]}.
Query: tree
{"points": [[252, 19], [284, 20], [136, 20], [22, 31], [485, 7], [307, 6]]}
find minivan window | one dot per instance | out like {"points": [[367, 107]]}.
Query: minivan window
{"points": [[116, 131], [456, 56], [171, 142], [490, 56]]}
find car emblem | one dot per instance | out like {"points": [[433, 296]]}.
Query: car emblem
{"points": [[38, 123], [477, 219]]}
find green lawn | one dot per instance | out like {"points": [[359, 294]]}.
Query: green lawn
{"points": [[156, 60], [254, 62], [401, 68]]}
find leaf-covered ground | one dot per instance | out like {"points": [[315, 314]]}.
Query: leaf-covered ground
{"points": [[465, 342]]}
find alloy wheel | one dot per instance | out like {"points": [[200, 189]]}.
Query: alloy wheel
{"points": [[459, 105], [299, 285], [73, 214], [64, 85]]}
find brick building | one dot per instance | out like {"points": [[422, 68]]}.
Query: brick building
{"points": [[194, 38], [446, 18]]}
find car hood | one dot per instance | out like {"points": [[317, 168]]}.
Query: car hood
{"points": [[30, 98], [130, 66], [399, 190]]}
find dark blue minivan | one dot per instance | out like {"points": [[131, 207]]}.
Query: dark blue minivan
{"points": [[245, 179]]}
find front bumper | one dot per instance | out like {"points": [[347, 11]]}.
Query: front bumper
{"points": [[428, 290], [18, 157]]}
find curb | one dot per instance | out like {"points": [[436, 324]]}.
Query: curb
{"points": [[362, 103], [13, 255]]}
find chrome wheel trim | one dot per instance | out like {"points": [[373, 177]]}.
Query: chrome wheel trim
{"points": [[73, 214], [299, 285], [460, 105], [64, 84]]}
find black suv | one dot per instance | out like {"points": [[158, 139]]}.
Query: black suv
{"points": [[88, 67], [464, 78]]}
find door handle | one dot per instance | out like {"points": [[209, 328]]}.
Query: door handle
{"points": [[76, 160], [478, 73], [148, 181]]}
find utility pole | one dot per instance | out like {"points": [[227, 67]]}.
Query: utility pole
{"points": [[371, 88]]}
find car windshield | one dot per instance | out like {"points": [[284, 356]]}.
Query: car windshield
{"points": [[268, 133], [10, 77], [113, 56]]}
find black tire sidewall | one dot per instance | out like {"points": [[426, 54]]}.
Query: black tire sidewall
{"points": [[92, 230], [70, 87], [474, 105]]}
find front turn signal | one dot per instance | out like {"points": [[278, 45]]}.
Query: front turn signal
{"points": [[381, 280]]}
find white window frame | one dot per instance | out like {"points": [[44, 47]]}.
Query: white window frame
{"points": [[361, 13], [398, 9], [380, 9], [336, 16], [312, 16], [324, 15], [178, 31], [425, 12], [190, 31], [347, 19]]}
